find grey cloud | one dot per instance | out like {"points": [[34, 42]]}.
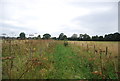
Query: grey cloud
{"points": [[7, 28], [93, 4], [99, 23], [12, 26]]}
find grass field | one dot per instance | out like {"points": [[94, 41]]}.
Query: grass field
{"points": [[51, 59]]}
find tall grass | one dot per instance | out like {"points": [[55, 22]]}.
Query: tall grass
{"points": [[50, 59]]}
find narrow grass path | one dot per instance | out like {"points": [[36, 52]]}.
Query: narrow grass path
{"points": [[66, 64]]}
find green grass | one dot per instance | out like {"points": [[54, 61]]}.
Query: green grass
{"points": [[66, 64]]}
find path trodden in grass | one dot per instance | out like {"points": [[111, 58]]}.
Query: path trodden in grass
{"points": [[66, 64]]}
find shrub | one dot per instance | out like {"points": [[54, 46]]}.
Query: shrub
{"points": [[65, 43]]}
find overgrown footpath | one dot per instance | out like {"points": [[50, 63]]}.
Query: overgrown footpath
{"points": [[72, 62], [67, 65]]}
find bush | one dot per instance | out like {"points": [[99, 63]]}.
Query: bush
{"points": [[65, 43]]}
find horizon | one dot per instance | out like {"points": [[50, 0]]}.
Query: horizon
{"points": [[36, 35]]}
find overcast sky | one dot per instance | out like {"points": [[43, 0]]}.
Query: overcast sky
{"points": [[94, 17]]}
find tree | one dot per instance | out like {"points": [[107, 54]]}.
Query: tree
{"points": [[39, 37], [108, 37], [46, 36], [54, 38], [95, 38], [64, 37], [61, 36], [116, 36], [86, 37], [22, 35], [101, 38], [81, 37], [74, 37], [112, 37]]}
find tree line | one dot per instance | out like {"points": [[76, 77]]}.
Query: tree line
{"points": [[74, 37]]}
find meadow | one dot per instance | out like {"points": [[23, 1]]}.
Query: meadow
{"points": [[52, 59]]}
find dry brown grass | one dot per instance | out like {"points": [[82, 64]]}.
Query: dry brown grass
{"points": [[112, 46]]}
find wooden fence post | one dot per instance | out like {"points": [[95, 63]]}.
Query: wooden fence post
{"points": [[106, 50], [94, 49]]}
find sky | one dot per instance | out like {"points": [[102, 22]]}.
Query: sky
{"points": [[94, 17]]}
